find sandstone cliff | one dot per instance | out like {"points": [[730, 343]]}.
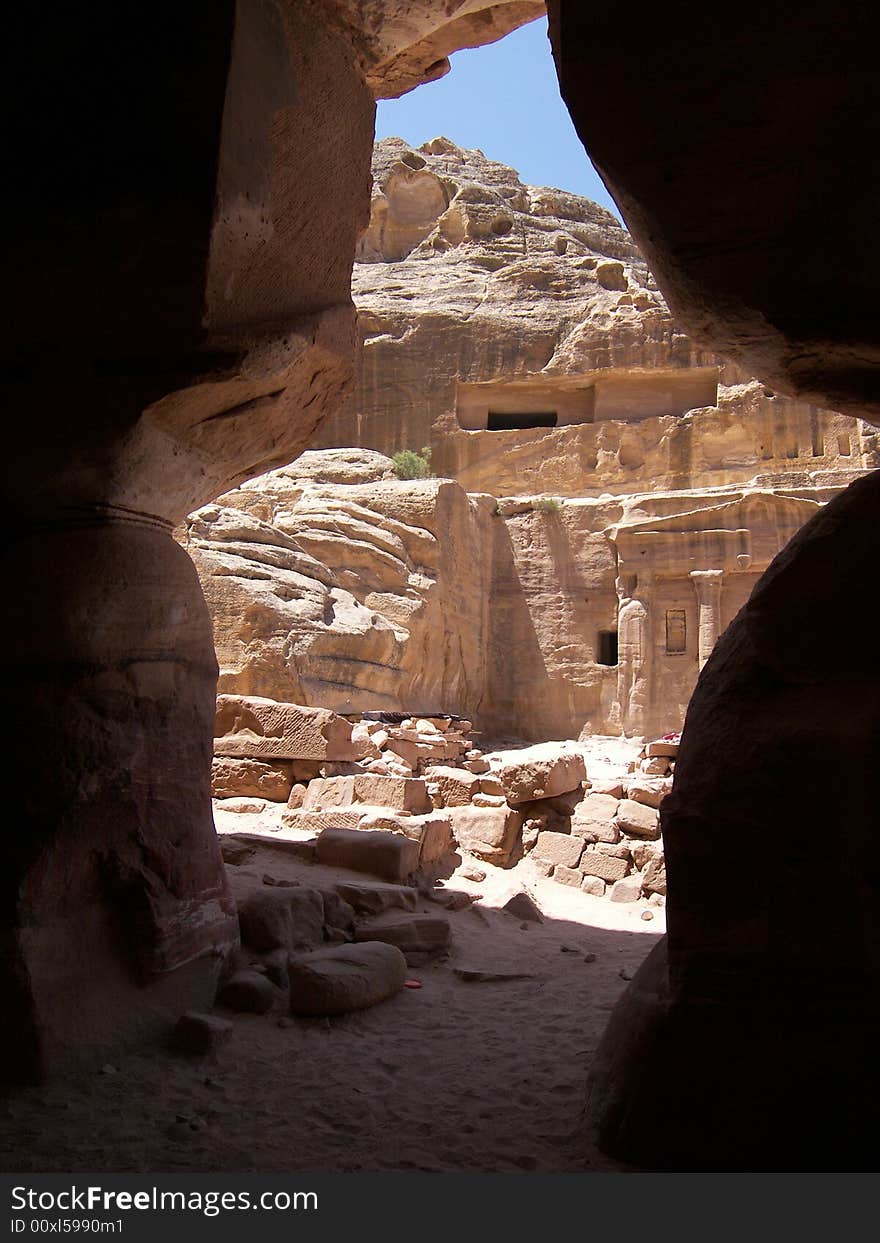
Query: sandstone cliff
{"points": [[610, 492], [485, 304]]}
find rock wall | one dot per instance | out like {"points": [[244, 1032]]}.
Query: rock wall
{"points": [[530, 301], [611, 493], [351, 596], [535, 617]]}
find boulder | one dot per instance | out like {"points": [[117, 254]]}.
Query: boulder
{"points": [[593, 885], [390, 856], [248, 992], [287, 918], [432, 832], [637, 820], [199, 1034], [568, 876], [345, 977], [539, 772], [231, 778], [248, 725], [489, 833]]}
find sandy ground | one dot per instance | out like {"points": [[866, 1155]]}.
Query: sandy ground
{"points": [[454, 1076]]}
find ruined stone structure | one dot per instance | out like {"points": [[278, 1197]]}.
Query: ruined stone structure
{"points": [[190, 199], [615, 492]]}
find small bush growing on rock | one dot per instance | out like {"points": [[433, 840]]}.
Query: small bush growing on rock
{"points": [[547, 505], [408, 464]]}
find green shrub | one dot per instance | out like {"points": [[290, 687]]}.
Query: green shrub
{"points": [[408, 464], [547, 505]]}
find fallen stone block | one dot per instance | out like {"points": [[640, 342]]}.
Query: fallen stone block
{"points": [[248, 992], [648, 790], [539, 772], [408, 794], [662, 747], [637, 820], [287, 918], [198, 1034], [546, 814], [477, 766], [593, 885], [489, 833], [345, 977], [559, 848], [617, 850], [241, 806], [478, 975], [376, 899], [416, 752], [418, 937], [643, 852], [491, 785], [265, 729], [457, 786], [339, 917], [451, 899], [296, 795], [626, 890], [606, 867], [658, 766], [244, 778], [432, 832], [488, 800], [523, 906], [328, 793], [593, 819], [311, 770], [654, 876], [611, 787], [390, 856], [308, 821], [568, 876], [236, 852]]}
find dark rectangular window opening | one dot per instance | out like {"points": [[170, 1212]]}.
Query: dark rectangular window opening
{"points": [[676, 631], [504, 421], [607, 647]]}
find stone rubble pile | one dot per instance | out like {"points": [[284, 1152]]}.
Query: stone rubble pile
{"points": [[395, 795]]}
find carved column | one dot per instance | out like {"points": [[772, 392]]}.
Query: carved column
{"points": [[634, 651], [708, 587]]}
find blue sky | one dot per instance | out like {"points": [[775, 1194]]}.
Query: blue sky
{"points": [[504, 99]]}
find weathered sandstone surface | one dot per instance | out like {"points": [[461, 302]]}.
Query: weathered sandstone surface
{"points": [[563, 577], [533, 301]]}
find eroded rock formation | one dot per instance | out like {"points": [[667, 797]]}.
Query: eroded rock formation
{"points": [[191, 183], [641, 485]]}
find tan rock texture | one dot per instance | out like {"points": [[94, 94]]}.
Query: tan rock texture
{"points": [[780, 990], [256, 727], [620, 543]]}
